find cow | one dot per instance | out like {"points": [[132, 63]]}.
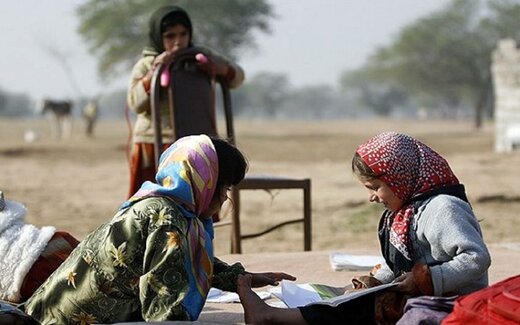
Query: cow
{"points": [[61, 111]]}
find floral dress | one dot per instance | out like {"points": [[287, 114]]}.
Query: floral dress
{"points": [[133, 268]]}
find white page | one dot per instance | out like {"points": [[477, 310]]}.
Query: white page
{"points": [[216, 295], [295, 295], [355, 294]]}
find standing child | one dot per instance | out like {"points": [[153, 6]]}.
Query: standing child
{"points": [[429, 236], [170, 31], [90, 114]]}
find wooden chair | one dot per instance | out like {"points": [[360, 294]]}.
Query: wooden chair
{"points": [[191, 100]]}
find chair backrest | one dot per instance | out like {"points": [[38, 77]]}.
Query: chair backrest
{"points": [[193, 103], [191, 98]]}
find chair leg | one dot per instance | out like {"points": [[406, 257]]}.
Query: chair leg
{"points": [[236, 236], [307, 235]]}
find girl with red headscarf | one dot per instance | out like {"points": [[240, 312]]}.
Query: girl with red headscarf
{"points": [[429, 236]]}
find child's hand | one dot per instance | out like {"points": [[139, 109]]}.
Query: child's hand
{"points": [[211, 65], [269, 278], [406, 284], [163, 58], [417, 282]]}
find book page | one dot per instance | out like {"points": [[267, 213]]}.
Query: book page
{"points": [[327, 292], [354, 294], [298, 294], [295, 295]]}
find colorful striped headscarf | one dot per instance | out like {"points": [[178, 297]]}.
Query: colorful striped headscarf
{"points": [[409, 168], [188, 174]]}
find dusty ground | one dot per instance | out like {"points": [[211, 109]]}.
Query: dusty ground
{"points": [[77, 184]]}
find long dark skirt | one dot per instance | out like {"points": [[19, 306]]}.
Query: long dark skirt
{"points": [[358, 311]]}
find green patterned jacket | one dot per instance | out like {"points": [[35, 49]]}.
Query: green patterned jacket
{"points": [[130, 269]]}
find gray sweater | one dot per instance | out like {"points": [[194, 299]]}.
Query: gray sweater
{"points": [[447, 237]]}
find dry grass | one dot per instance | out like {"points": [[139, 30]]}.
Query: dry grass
{"points": [[77, 184]]}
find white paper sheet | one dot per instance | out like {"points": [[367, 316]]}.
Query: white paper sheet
{"points": [[217, 295], [343, 261]]}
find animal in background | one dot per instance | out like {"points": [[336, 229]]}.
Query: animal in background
{"points": [[61, 112]]}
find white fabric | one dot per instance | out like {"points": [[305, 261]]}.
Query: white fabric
{"points": [[20, 247]]}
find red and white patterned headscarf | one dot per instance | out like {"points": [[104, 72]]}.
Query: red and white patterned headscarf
{"points": [[409, 168]]}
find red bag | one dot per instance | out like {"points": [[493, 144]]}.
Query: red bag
{"points": [[496, 304]]}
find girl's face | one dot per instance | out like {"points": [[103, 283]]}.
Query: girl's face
{"points": [[175, 38], [216, 204], [379, 192]]}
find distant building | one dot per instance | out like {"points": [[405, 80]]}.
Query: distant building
{"points": [[506, 83]]}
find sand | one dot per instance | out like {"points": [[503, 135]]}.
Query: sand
{"points": [[76, 184]]}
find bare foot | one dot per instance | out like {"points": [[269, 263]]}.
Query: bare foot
{"points": [[257, 312], [254, 307]]}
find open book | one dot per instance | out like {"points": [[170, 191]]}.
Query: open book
{"points": [[296, 295]]}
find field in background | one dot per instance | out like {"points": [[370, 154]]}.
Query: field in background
{"points": [[77, 184]]}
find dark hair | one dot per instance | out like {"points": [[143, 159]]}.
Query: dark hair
{"points": [[361, 169], [232, 165], [163, 18], [176, 18]]}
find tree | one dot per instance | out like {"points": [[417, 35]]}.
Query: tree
{"points": [[117, 30], [15, 105], [448, 54], [263, 95], [311, 102], [380, 97]]}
